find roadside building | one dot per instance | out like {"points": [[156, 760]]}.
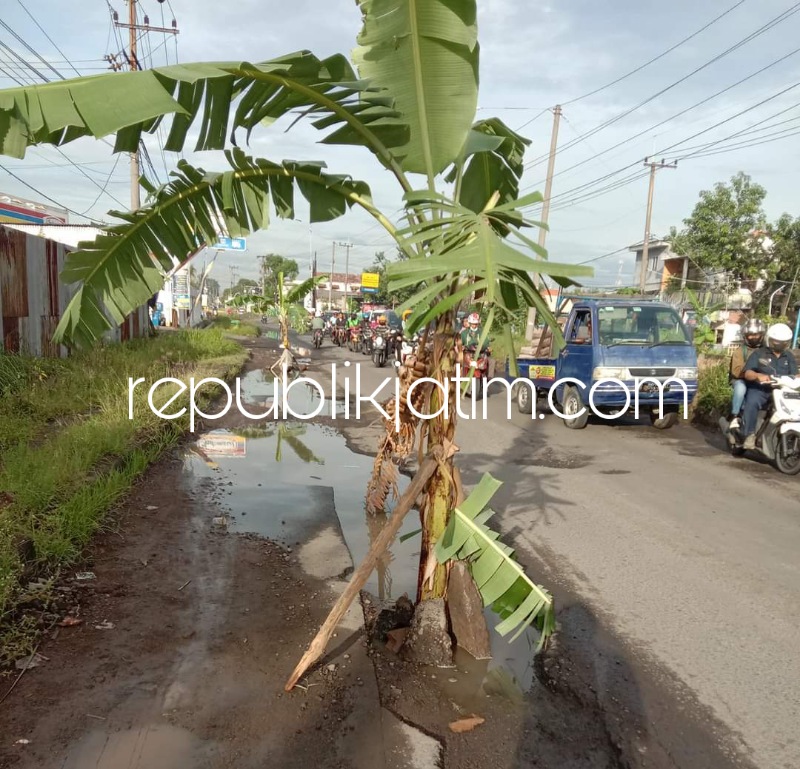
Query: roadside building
{"points": [[32, 296]]}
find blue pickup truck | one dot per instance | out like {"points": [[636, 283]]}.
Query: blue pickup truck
{"points": [[622, 352]]}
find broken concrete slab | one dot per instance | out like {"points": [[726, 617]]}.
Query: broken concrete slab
{"points": [[466, 613], [428, 642]]}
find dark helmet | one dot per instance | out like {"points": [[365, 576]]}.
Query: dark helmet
{"points": [[753, 332]]}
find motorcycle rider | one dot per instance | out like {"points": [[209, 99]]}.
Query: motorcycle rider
{"points": [[773, 359], [317, 322], [471, 334], [753, 338]]}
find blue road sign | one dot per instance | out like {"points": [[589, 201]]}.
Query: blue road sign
{"points": [[230, 244], [369, 290]]}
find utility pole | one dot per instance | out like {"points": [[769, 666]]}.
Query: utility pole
{"points": [[133, 28], [347, 247], [551, 164], [330, 280], [134, 61], [314, 285], [646, 246]]}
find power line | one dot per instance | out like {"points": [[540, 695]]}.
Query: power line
{"points": [[655, 58], [43, 195], [51, 41], [105, 186], [611, 121], [669, 119], [32, 50], [22, 61], [584, 189]]}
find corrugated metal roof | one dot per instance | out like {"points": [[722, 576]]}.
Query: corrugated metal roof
{"points": [[66, 234]]}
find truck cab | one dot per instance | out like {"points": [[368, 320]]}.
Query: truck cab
{"points": [[620, 352]]}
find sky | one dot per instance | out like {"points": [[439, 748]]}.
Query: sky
{"points": [[534, 55]]}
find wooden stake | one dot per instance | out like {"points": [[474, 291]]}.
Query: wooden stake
{"points": [[361, 574]]}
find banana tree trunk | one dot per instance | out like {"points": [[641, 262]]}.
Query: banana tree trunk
{"points": [[440, 491]]}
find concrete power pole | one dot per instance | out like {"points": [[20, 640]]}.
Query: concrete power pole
{"points": [[347, 247], [551, 164], [538, 282], [646, 246], [134, 28], [330, 280], [135, 172]]}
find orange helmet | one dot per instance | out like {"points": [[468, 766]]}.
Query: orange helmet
{"points": [[406, 313], [381, 320]]}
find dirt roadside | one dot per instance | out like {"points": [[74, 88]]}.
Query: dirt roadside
{"points": [[207, 626], [187, 635]]}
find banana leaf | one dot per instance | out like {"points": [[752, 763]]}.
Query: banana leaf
{"points": [[502, 583]]}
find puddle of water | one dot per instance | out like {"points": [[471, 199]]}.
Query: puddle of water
{"points": [[157, 746], [259, 388], [289, 480]]}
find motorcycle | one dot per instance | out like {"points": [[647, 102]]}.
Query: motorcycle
{"points": [[479, 365], [407, 347], [380, 344], [318, 337], [354, 342], [778, 427]]}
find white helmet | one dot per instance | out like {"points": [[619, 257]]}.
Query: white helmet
{"points": [[318, 314], [780, 336]]}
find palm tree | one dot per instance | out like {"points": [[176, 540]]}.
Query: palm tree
{"points": [[411, 101]]}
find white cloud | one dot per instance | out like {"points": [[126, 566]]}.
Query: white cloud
{"points": [[534, 55]]}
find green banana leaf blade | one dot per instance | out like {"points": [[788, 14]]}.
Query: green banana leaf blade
{"points": [[501, 581]]}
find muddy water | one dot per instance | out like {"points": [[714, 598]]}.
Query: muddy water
{"points": [[289, 481]]}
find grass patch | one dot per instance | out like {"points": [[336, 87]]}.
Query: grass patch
{"points": [[68, 450], [714, 392], [501, 349], [235, 326]]}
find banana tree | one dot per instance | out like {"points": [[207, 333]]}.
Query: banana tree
{"points": [[286, 306], [409, 97]]}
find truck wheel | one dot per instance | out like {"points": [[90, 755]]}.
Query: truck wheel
{"points": [[573, 405], [669, 419], [524, 399]]}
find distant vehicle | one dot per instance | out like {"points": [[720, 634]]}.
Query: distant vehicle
{"points": [[611, 343]]}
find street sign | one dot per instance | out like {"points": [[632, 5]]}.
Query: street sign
{"points": [[370, 280], [365, 290], [230, 244], [180, 290]]}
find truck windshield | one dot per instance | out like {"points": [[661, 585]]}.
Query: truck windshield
{"points": [[641, 325]]}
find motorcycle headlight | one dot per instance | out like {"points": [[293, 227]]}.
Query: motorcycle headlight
{"points": [[686, 373], [378, 341], [607, 372]]}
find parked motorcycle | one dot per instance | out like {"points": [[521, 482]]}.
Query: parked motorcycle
{"points": [[479, 366], [318, 338], [778, 428]]}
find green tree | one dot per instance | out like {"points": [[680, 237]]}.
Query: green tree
{"points": [[719, 233], [785, 234], [466, 240], [212, 288], [271, 266], [384, 295], [243, 287]]}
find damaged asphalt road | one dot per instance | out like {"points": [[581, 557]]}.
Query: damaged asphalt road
{"points": [[674, 567]]}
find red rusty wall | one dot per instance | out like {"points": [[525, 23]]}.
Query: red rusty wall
{"points": [[51, 251], [10, 334], [13, 274]]}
